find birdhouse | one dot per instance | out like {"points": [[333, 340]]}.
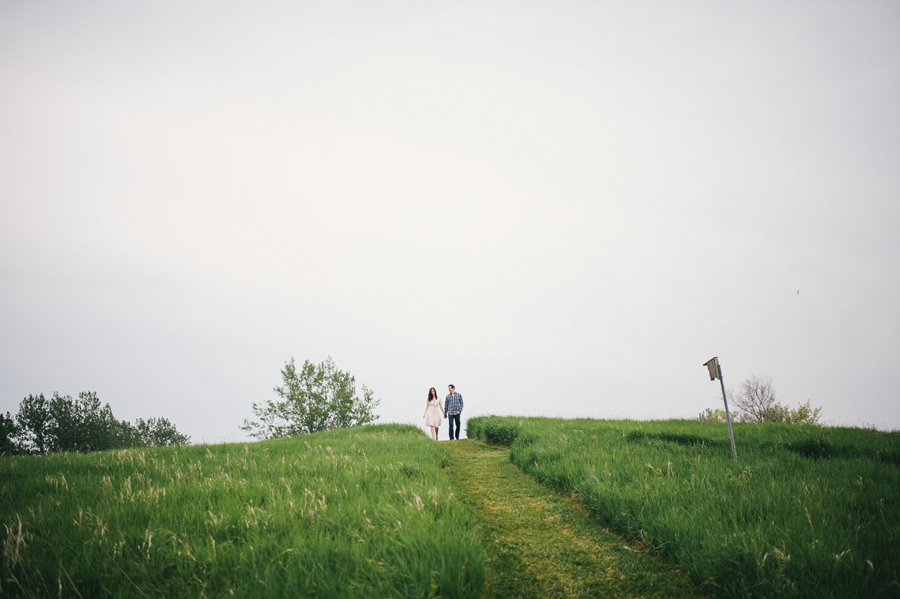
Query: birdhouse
{"points": [[713, 366]]}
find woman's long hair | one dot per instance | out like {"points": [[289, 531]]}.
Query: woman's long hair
{"points": [[432, 393]]}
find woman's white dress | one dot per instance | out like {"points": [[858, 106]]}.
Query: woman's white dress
{"points": [[433, 413]]}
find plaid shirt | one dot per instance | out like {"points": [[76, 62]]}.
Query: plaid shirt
{"points": [[453, 404]]}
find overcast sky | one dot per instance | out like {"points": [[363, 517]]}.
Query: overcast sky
{"points": [[564, 208]]}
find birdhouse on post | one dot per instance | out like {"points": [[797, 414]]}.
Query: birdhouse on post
{"points": [[715, 372]]}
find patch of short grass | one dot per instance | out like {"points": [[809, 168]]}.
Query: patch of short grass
{"points": [[543, 545]]}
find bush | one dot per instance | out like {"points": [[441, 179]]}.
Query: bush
{"points": [[709, 415], [756, 402]]}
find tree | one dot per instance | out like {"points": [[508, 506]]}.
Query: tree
{"points": [[8, 434], [33, 422], [159, 432], [83, 424], [756, 402], [314, 398]]}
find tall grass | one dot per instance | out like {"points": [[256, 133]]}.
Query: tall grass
{"points": [[805, 512], [357, 512]]}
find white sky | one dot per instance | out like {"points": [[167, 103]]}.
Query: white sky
{"points": [[563, 208]]}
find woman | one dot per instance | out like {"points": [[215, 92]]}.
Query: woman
{"points": [[434, 411]]}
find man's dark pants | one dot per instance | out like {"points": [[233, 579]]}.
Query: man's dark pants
{"points": [[451, 418]]}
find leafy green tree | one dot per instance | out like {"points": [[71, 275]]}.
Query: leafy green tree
{"points": [[83, 424], [33, 421], [127, 435], [159, 432], [313, 398], [8, 434]]}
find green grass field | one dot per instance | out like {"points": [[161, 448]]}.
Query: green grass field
{"points": [[363, 512], [805, 512], [375, 512]]}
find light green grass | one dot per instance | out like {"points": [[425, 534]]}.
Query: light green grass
{"points": [[806, 512], [364, 512]]}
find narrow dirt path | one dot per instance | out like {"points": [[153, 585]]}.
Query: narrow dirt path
{"points": [[540, 544]]}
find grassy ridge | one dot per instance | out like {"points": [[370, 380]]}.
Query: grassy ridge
{"points": [[352, 513], [806, 512]]}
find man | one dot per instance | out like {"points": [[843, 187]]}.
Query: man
{"points": [[453, 406]]}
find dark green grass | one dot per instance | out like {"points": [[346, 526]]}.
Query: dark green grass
{"points": [[361, 512], [805, 512]]}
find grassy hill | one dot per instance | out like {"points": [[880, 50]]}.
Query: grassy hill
{"points": [[805, 512], [363, 512], [373, 512]]}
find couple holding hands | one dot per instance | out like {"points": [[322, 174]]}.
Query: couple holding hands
{"points": [[452, 408]]}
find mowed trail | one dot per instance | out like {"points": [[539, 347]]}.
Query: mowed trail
{"points": [[540, 544]]}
